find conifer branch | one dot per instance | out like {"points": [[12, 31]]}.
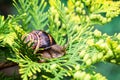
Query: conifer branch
{"points": [[71, 24]]}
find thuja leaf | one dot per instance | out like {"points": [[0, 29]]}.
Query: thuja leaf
{"points": [[4, 25], [39, 17], [35, 14], [22, 7], [27, 67]]}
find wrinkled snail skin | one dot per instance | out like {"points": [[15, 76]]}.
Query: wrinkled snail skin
{"points": [[57, 51], [44, 44], [54, 52]]}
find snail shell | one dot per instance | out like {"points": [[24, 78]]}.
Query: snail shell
{"points": [[40, 39]]}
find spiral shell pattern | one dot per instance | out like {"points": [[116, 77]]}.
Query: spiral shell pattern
{"points": [[40, 40]]}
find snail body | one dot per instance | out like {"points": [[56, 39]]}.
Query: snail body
{"points": [[54, 52], [44, 44]]}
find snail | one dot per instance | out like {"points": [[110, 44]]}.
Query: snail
{"points": [[44, 44]]}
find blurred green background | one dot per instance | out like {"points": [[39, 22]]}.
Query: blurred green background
{"points": [[111, 71]]}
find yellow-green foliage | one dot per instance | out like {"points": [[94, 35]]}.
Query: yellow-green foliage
{"points": [[70, 24]]}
